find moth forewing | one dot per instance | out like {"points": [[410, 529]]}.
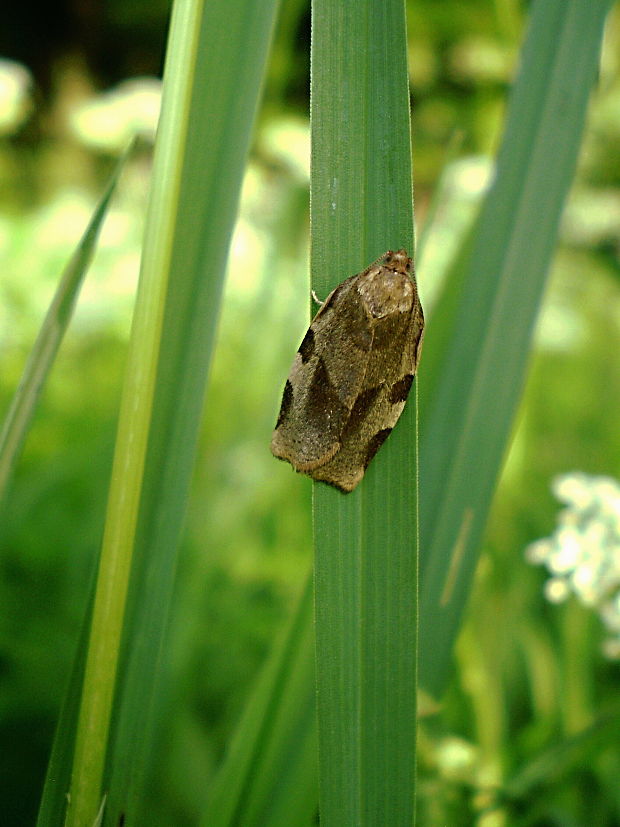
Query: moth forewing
{"points": [[352, 374]]}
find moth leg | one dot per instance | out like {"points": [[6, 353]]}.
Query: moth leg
{"points": [[316, 299]]}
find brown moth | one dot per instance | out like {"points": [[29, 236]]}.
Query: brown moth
{"points": [[352, 374]]}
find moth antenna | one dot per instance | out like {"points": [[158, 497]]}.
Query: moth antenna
{"points": [[316, 299]]}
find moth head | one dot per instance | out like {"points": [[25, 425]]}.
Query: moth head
{"points": [[398, 261]]}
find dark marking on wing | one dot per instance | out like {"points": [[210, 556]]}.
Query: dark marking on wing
{"points": [[287, 401], [375, 443], [359, 411], [324, 408], [306, 348], [400, 390]]}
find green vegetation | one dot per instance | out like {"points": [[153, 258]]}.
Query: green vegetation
{"points": [[522, 726]]}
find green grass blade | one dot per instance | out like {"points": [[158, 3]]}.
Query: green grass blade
{"points": [[476, 385], [58, 776], [365, 542], [221, 81], [216, 57], [48, 341], [269, 776], [574, 752]]}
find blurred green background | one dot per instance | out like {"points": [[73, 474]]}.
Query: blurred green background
{"points": [[76, 80]]}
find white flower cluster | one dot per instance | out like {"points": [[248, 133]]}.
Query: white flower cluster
{"points": [[583, 554]]}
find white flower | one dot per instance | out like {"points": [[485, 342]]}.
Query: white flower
{"points": [[583, 554], [15, 95], [109, 120]]}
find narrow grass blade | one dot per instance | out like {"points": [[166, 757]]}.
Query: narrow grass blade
{"points": [[216, 57], [48, 341], [221, 78], [366, 541], [579, 750], [58, 777], [476, 385], [269, 777]]}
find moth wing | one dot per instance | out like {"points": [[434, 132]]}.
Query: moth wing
{"points": [[378, 407], [411, 356], [315, 409]]}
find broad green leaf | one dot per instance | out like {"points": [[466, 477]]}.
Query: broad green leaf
{"points": [[475, 385], [366, 541]]}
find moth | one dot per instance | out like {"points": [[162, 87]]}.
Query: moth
{"points": [[352, 374]]}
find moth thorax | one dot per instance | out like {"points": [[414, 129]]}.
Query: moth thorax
{"points": [[385, 292]]}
